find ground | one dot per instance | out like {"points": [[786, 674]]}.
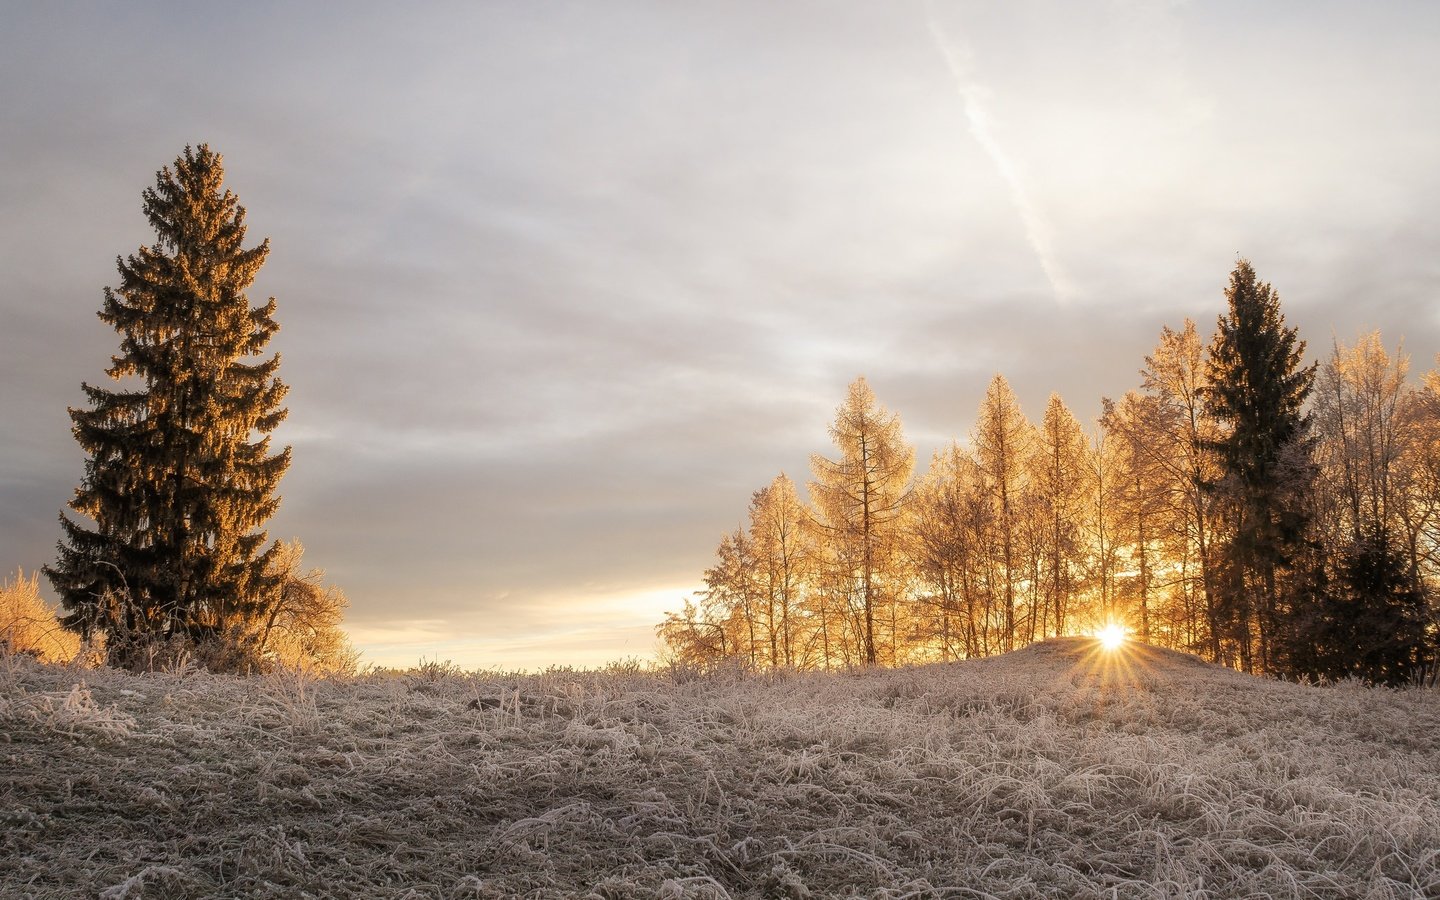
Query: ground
{"points": [[1056, 771]]}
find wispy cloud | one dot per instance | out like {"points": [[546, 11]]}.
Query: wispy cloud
{"points": [[975, 96]]}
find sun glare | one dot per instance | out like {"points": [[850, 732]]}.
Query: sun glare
{"points": [[1111, 637]]}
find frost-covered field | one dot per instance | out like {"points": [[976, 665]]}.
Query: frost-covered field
{"points": [[1052, 772]]}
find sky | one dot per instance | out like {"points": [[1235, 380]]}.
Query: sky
{"points": [[561, 283]]}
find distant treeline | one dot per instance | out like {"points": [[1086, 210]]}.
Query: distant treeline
{"points": [[1268, 515]]}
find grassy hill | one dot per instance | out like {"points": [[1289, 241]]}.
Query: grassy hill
{"points": [[1056, 771]]}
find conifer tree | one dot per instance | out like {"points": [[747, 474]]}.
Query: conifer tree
{"points": [[180, 477], [952, 519], [1174, 376], [1257, 389], [1057, 473], [732, 593], [1134, 425], [1004, 441], [861, 498], [779, 541]]}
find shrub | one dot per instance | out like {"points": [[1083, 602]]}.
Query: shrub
{"points": [[28, 625]]}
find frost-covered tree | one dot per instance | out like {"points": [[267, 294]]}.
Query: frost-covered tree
{"points": [[1104, 485], [1135, 427], [780, 542], [1257, 388], [1372, 621], [1003, 440], [949, 548], [1362, 432], [732, 594], [860, 499], [1057, 478], [1369, 424], [1174, 378], [180, 477]]}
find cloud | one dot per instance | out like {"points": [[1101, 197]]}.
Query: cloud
{"points": [[976, 99], [561, 285]]}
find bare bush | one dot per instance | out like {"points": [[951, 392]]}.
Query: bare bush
{"points": [[299, 627]]}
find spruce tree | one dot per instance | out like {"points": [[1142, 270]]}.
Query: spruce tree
{"points": [[1372, 621], [1257, 390], [180, 477]]}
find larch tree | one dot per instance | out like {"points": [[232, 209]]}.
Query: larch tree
{"points": [[1057, 477], [1174, 376], [951, 514], [1134, 428], [1003, 439], [779, 539], [732, 594], [1362, 434], [180, 477], [1257, 389], [1104, 484], [861, 499]]}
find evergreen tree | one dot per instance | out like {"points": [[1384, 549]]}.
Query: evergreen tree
{"points": [[1257, 390], [1371, 623], [180, 477]]}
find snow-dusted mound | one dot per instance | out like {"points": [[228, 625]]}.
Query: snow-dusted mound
{"points": [[1055, 771]]}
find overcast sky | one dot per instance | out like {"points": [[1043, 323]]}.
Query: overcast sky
{"points": [[560, 284]]}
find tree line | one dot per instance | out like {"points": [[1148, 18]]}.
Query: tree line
{"points": [[1273, 516]]}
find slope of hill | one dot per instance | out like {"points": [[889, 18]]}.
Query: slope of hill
{"points": [[1057, 771]]}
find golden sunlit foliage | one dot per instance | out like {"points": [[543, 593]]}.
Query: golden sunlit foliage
{"points": [[29, 625], [298, 626], [1294, 538], [860, 503]]}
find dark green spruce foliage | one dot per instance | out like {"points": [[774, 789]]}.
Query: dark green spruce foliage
{"points": [[180, 476], [1372, 622], [1257, 391]]}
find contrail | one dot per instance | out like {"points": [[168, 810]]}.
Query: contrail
{"points": [[973, 95]]}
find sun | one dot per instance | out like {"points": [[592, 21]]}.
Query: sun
{"points": [[1111, 637]]}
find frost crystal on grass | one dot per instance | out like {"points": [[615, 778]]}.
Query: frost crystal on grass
{"points": [[1053, 771]]}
